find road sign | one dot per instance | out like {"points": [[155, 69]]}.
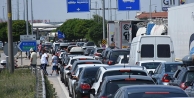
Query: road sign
{"points": [[103, 42], [27, 45], [27, 37], [165, 8], [128, 5], [15, 49], [78, 6]]}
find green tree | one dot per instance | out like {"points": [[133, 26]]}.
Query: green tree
{"points": [[3, 31]]}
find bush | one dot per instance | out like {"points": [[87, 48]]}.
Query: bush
{"points": [[50, 91], [20, 84]]}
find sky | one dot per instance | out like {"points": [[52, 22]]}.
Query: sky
{"points": [[56, 10]]}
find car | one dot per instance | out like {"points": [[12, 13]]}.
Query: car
{"points": [[117, 70], [150, 65], [150, 91], [88, 50], [74, 67], [111, 84], [66, 69], [96, 52], [76, 50], [164, 70], [121, 60], [75, 76], [104, 54], [70, 46], [80, 44], [113, 55]]}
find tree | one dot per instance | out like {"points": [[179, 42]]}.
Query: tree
{"points": [[3, 31]]}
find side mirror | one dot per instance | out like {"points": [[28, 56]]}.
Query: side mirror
{"points": [[189, 83], [92, 91], [151, 73]]}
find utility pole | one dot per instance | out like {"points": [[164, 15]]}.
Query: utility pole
{"points": [[110, 11], [18, 12], [10, 38], [24, 10], [27, 17], [150, 10], [3, 13], [116, 11], [32, 17], [96, 7], [103, 15]]}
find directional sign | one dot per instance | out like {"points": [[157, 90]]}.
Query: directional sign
{"points": [[27, 37], [128, 5], [78, 6], [27, 45]]}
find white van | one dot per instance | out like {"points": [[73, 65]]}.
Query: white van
{"points": [[151, 47]]}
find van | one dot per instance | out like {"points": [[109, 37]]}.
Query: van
{"points": [[151, 47]]}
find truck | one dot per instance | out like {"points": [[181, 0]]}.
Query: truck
{"points": [[122, 32], [181, 29]]}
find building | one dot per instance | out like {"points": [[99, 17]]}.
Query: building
{"points": [[154, 15]]}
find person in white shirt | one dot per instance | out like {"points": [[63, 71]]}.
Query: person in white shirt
{"points": [[44, 61]]}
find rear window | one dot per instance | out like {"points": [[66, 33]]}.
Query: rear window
{"points": [[76, 53], [85, 63], [100, 50], [117, 53], [90, 44], [147, 51], [113, 86], [117, 72], [91, 73], [150, 65], [125, 60], [171, 67], [190, 76], [163, 51], [156, 95]]}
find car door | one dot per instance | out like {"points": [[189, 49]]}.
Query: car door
{"points": [[157, 72]]}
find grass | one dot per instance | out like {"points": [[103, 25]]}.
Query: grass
{"points": [[50, 91], [20, 84]]}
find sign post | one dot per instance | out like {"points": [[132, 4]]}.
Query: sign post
{"points": [[78, 6]]}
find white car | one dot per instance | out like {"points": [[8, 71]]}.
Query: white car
{"points": [[70, 63], [116, 70], [77, 72], [121, 60], [150, 65]]}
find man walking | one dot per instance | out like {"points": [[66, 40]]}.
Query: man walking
{"points": [[44, 61], [33, 59], [54, 63]]}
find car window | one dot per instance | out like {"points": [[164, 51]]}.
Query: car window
{"points": [[150, 65], [156, 71], [125, 60], [117, 72], [90, 73], [118, 60], [171, 67], [145, 52], [155, 95], [190, 76], [100, 50], [117, 53], [113, 86], [98, 75], [163, 50]]}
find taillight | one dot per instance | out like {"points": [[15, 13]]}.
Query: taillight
{"points": [[164, 79], [85, 86], [103, 97], [110, 62], [183, 86], [96, 54]]}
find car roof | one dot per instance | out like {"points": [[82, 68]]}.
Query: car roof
{"points": [[83, 65], [64, 44], [76, 49], [119, 77], [116, 67], [146, 61], [81, 56], [172, 62], [152, 88]]}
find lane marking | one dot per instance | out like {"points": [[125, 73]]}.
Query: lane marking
{"points": [[63, 88]]}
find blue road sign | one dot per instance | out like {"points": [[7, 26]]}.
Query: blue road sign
{"points": [[27, 45], [128, 5], [78, 6], [165, 8]]}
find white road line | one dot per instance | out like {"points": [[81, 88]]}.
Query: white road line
{"points": [[63, 87]]}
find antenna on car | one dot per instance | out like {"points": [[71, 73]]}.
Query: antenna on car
{"points": [[125, 58]]}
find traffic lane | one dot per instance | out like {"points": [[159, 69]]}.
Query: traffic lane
{"points": [[60, 89]]}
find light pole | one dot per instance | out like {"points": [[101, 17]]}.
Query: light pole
{"points": [[103, 15], [150, 10], [3, 13], [18, 13], [27, 17], [32, 17]]}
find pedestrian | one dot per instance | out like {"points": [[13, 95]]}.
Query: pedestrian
{"points": [[33, 59], [54, 64], [40, 49], [44, 61]]}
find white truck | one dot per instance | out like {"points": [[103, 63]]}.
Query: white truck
{"points": [[122, 32], [181, 29]]}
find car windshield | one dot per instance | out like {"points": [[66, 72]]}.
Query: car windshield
{"points": [[76, 53], [171, 67], [117, 53], [156, 95], [124, 72], [113, 86], [90, 73], [150, 65]]}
